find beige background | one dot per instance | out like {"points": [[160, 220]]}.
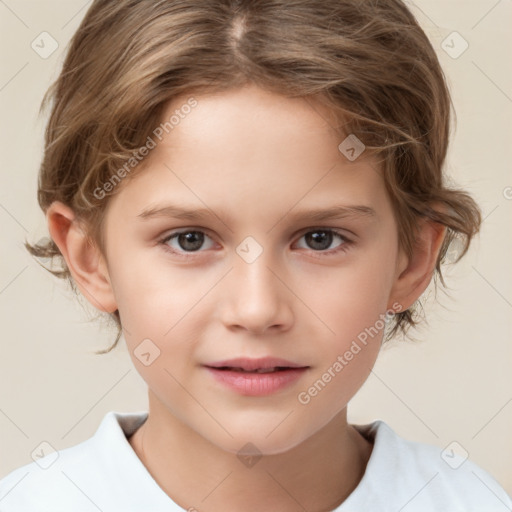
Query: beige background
{"points": [[455, 385]]}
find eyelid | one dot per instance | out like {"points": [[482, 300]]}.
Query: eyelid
{"points": [[301, 232], [165, 238], [339, 231], [347, 240]]}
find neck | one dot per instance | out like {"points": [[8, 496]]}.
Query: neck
{"points": [[319, 474]]}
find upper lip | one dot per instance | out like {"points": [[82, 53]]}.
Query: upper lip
{"points": [[248, 364]]}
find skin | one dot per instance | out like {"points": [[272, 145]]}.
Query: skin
{"points": [[253, 158]]}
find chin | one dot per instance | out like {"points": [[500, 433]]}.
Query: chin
{"points": [[263, 441]]}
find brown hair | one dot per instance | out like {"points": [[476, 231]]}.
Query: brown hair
{"points": [[369, 62]]}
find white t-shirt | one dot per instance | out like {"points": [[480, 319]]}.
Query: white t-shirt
{"points": [[104, 474]]}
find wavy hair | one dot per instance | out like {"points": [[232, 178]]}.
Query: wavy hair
{"points": [[369, 62]]}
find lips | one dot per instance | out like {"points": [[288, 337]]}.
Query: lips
{"points": [[256, 377]]}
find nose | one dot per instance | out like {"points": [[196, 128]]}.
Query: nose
{"points": [[256, 298]]}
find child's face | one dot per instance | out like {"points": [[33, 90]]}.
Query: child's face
{"points": [[254, 160]]}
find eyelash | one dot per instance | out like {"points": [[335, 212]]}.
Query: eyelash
{"points": [[191, 254]]}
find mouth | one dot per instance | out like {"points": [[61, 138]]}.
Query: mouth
{"points": [[260, 365], [257, 370], [256, 377]]}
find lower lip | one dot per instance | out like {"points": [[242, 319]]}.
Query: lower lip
{"points": [[257, 384]]}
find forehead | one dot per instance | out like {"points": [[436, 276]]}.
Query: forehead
{"points": [[253, 151], [251, 114]]}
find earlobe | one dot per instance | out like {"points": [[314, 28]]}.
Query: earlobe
{"points": [[414, 276], [84, 259]]}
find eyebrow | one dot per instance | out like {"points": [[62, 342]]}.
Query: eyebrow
{"points": [[315, 214]]}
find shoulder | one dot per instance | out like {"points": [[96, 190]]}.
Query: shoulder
{"points": [[423, 477], [42, 481], [73, 478]]}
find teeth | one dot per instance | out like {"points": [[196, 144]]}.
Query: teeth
{"points": [[259, 370]]}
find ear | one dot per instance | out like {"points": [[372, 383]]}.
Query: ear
{"points": [[84, 260], [415, 273]]}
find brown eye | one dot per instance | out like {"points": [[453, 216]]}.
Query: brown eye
{"points": [[322, 239], [185, 241]]}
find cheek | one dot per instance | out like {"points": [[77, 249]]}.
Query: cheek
{"points": [[351, 298], [352, 305], [162, 315], [351, 301], [155, 298]]}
